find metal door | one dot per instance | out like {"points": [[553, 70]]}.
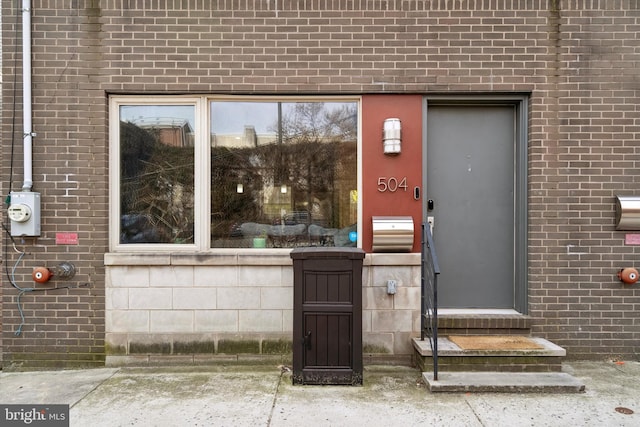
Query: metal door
{"points": [[470, 181]]}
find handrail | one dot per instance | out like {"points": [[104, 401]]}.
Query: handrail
{"points": [[429, 298]]}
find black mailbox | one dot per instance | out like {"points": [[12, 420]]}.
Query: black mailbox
{"points": [[327, 315]]}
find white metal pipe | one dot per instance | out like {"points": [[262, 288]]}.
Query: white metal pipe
{"points": [[26, 95]]}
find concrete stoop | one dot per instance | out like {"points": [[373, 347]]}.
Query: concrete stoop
{"points": [[497, 370]]}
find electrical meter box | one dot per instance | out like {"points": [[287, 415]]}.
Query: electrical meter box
{"points": [[24, 213]]}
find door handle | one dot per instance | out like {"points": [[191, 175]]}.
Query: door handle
{"points": [[306, 341]]}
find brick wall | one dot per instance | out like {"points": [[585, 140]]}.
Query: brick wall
{"points": [[64, 326], [576, 59], [1, 185]]}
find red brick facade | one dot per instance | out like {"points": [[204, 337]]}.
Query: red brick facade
{"points": [[576, 60]]}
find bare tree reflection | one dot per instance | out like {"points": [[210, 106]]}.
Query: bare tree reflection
{"points": [[156, 185], [296, 188], [293, 185]]}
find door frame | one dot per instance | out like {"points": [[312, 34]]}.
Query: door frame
{"points": [[520, 103]]}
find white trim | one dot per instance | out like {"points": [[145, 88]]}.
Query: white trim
{"points": [[114, 172], [202, 203]]}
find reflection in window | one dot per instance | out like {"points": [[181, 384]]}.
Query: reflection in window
{"points": [[283, 174], [157, 174]]}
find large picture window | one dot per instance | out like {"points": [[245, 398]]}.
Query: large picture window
{"points": [[283, 174], [235, 173], [156, 173]]}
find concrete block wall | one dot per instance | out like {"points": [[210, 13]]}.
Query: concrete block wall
{"points": [[159, 309]]}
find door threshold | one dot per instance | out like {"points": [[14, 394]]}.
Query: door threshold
{"points": [[479, 311]]}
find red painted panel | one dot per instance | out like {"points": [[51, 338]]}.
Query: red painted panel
{"points": [[394, 168]]}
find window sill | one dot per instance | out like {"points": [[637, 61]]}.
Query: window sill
{"points": [[242, 257], [236, 257]]}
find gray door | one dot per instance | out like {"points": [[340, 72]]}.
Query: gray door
{"points": [[470, 178]]}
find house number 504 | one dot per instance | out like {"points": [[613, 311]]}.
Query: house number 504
{"points": [[391, 184]]}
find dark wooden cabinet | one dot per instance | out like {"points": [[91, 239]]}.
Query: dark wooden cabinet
{"points": [[327, 316]]}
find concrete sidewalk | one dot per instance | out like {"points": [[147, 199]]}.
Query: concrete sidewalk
{"points": [[239, 395]]}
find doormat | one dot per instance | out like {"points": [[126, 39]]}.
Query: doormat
{"points": [[494, 342]]}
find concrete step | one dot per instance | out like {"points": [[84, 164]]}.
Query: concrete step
{"points": [[503, 382], [451, 357]]}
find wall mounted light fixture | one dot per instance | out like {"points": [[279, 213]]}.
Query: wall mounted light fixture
{"points": [[627, 213], [391, 136]]}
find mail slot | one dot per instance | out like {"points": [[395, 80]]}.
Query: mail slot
{"points": [[392, 233], [627, 213]]}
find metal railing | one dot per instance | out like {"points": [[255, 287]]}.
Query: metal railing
{"points": [[429, 284]]}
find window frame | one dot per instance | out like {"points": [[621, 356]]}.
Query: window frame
{"points": [[202, 167]]}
